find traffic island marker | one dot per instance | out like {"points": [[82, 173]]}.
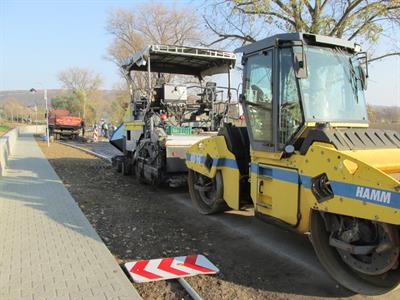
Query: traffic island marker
{"points": [[169, 268]]}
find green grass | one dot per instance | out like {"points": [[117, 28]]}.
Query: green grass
{"points": [[4, 127]]}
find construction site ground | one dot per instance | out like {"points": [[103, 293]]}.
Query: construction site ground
{"points": [[257, 260]]}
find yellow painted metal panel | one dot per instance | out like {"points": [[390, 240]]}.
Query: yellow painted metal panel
{"points": [[134, 125], [267, 155], [366, 193], [386, 160], [276, 192], [231, 179]]}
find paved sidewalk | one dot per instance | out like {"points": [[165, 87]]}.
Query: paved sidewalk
{"points": [[48, 248]]}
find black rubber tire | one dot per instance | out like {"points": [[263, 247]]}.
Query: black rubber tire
{"points": [[139, 175], [125, 168], [334, 265], [202, 207]]}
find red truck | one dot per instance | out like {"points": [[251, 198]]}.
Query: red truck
{"points": [[61, 123]]}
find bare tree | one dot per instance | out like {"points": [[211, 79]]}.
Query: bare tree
{"points": [[150, 23], [363, 20], [76, 78], [153, 23], [84, 84], [15, 110]]}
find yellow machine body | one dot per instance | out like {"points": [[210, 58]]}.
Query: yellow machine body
{"points": [[134, 125], [365, 183], [307, 159]]}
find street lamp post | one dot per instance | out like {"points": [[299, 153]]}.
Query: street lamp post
{"points": [[32, 90], [47, 119], [36, 116]]}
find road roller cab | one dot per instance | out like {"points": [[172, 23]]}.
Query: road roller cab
{"points": [[307, 158]]}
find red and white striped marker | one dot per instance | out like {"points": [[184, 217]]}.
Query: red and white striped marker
{"points": [[95, 135], [169, 268]]}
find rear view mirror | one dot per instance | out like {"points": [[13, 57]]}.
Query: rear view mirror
{"points": [[363, 78], [362, 71], [300, 64]]}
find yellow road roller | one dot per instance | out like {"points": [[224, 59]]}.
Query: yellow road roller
{"points": [[307, 159]]}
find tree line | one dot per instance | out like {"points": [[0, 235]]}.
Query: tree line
{"points": [[225, 24]]}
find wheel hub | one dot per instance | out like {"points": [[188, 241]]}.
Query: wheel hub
{"points": [[361, 241], [206, 188], [370, 248]]}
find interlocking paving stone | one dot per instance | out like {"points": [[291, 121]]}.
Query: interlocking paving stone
{"points": [[49, 250]]}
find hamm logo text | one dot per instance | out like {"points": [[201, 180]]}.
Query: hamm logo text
{"points": [[373, 195]]}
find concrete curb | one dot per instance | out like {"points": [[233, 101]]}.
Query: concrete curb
{"points": [[87, 151], [8, 141]]}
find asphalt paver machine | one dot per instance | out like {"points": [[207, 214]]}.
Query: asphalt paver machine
{"points": [[169, 117], [308, 160]]}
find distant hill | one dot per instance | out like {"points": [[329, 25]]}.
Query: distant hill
{"points": [[27, 98], [385, 117]]}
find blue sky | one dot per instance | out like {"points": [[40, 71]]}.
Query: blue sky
{"points": [[40, 38]]}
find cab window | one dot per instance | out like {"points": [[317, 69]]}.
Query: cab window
{"points": [[258, 96], [290, 113]]}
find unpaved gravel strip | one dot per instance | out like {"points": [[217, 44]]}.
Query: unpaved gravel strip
{"points": [[86, 150], [102, 147]]}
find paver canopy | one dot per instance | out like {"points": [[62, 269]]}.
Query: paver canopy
{"points": [[198, 62]]}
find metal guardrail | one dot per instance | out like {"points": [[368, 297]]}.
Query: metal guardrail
{"points": [[203, 52]]}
